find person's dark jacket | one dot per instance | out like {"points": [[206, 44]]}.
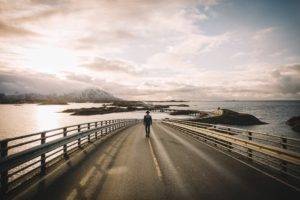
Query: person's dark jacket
{"points": [[147, 120]]}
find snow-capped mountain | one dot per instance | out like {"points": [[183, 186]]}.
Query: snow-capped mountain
{"points": [[90, 94], [87, 95]]}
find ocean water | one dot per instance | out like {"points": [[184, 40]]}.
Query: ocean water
{"points": [[275, 113], [16, 120]]}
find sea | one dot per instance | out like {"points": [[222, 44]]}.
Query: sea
{"points": [[21, 119]]}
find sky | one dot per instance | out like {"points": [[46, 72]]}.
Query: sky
{"points": [[152, 50]]}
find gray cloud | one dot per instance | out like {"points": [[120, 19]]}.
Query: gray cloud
{"points": [[40, 15], [50, 2], [112, 39], [101, 64], [284, 86], [79, 77], [288, 79], [26, 82], [8, 30]]}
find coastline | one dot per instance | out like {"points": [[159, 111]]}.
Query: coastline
{"points": [[26, 118]]}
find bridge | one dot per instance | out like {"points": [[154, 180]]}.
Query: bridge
{"points": [[113, 159]]}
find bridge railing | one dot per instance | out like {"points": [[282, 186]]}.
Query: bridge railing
{"points": [[280, 141], [280, 153], [24, 157]]}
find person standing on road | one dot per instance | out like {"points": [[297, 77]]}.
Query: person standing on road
{"points": [[147, 122]]}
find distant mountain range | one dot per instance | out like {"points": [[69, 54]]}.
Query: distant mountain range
{"points": [[87, 95], [90, 95]]}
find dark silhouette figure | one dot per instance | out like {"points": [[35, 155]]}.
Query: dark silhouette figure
{"points": [[147, 123]]}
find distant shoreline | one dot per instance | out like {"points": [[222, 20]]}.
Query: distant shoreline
{"points": [[52, 102], [289, 100], [58, 102], [123, 106], [175, 101], [170, 101]]}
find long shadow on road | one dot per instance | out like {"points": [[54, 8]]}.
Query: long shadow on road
{"points": [[81, 178]]}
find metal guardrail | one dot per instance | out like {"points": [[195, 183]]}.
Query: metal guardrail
{"points": [[25, 156], [277, 152]]}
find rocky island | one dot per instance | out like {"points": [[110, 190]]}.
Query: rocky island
{"points": [[230, 117], [180, 105], [127, 106], [95, 110], [294, 122], [115, 107], [53, 102], [184, 112]]}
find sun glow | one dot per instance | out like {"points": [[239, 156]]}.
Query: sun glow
{"points": [[50, 59], [46, 117]]}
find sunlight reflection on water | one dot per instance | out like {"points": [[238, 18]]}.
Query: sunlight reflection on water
{"points": [[16, 120], [45, 118]]}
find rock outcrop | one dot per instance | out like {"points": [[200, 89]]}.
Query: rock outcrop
{"points": [[294, 122], [232, 118]]}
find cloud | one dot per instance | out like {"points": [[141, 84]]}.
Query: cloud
{"points": [[263, 33], [141, 50], [282, 83], [238, 55], [8, 30], [40, 15], [288, 79], [25, 82], [79, 77], [110, 40], [184, 54], [101, 64]]}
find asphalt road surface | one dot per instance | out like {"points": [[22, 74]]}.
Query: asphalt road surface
{"points": [[168, 165]]}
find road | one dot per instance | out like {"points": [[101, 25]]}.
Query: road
{"points": [[168, 165]]}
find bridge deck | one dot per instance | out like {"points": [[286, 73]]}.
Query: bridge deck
{"points": [[169, 165]]}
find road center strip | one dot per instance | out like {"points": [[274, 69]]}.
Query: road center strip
{"points": [[159, 174]]}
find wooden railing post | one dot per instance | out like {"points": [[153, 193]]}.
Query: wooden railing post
{"points": [[249, 135], [89, 135], [284, 142], [101, 132], [109, 127], [65, 145], [4, 174], [284, 146], [79, 139], [250, 150], [96, 133], [43, 156]]}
